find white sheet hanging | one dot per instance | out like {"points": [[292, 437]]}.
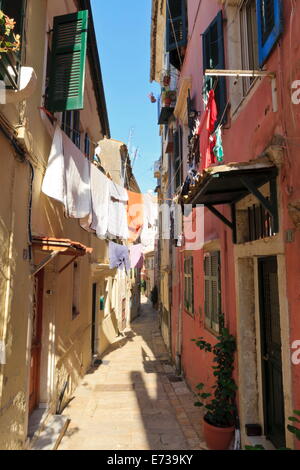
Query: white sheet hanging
{"points": [[67, 178], [100, 185], [54, 184], [117, 219], [78, 182]]}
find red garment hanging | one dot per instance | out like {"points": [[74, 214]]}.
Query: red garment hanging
{"points": [[205, 130]]}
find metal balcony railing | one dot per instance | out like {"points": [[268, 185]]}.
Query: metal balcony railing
{"points": [[166, 108]]}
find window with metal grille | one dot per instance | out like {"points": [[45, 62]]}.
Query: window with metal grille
{"points": [[270, 26], [71, 126], [260, 224], [87, 146], [10, 62], [249, 40], [212, 290], [213, 58], [189, 284]]}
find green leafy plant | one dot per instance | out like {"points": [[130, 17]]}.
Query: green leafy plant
{"points": [[293, 429], [220, 405], [295, 419], [9, 42]]}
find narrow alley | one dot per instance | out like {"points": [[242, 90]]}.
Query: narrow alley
{"points": [[133, 400]]}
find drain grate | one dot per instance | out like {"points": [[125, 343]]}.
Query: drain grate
{"points": [[114, 387], [165, 362]]}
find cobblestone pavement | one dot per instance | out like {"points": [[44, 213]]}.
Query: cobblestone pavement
{"points": [[134, 401]]}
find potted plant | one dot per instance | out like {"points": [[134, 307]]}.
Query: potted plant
{"points": [[168, 97], [219, 419], [9, 42], [166, 79]]}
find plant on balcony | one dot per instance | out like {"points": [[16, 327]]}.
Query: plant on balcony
{"points": [[9, 42], [168, 96], [220, 405]]}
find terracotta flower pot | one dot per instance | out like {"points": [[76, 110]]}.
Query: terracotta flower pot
{"points": [[217, 438]]}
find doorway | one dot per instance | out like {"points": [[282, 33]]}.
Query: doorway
{"points": [[36, 341], [94, 318], [272, 382]]}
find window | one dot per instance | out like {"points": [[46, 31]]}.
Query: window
{"points": [[260, 224], [10, 62], [87, 146], [189, 284], [212, 290], [178, 158], [269, 21], [71, 126], [249, 40], [213, 58], [176, 31], [68, 57], [76, 290]]}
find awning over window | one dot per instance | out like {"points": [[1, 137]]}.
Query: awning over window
{"points": [[63, 245], [58, 246], [228, 184]]}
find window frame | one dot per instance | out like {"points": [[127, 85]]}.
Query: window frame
{"points": [[189, 301], [220, 90], [249, 41], [211, 321], [266, 45], [14, 59], [76, 274]]}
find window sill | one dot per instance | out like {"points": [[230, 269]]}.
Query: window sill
{"points": [[211, 331], [245, 98], [28, 81]]}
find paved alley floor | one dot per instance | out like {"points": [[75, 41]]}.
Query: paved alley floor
{"points": [[134, 401]]}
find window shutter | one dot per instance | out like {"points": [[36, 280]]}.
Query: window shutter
{"points": [[66, 86], [215, 290], [214, 57], [207, 292], [177, 8], [270, 26]]}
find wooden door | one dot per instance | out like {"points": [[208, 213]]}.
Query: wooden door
{"points": [[36, 341], [94, 319], [271, 351]]}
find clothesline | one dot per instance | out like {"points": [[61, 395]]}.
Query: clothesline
{"points": [[102, 206]]}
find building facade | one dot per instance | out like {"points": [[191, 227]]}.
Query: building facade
{"points": [[246, 188], [61, 304]]}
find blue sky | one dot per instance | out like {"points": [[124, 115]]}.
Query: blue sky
{"points": [[123, 35]]}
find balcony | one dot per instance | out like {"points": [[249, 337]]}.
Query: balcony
{"points": [[157, 172], [166, 105]]}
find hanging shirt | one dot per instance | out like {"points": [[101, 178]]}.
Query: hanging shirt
{"points": [[205, 130], [218, 148], [136, 256], [118, 256]]}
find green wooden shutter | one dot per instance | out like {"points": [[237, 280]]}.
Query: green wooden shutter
{"points": [[207, 292], [66, 86], [215, 290], [176, 31]]}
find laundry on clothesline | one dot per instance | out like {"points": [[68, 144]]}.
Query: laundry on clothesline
{"points": [[118, 256]]}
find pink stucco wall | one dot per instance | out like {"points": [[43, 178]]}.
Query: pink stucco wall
{"points": [[246, 138]]}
